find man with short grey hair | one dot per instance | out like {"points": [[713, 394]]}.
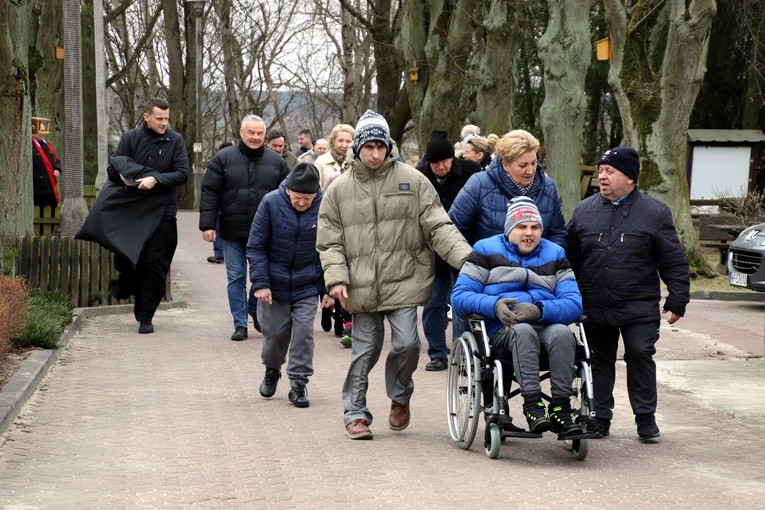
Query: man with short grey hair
{"points": [[236, 180]]}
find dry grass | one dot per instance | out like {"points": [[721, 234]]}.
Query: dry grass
{"points": [[13, 311]]}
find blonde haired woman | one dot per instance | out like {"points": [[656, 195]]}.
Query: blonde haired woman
{"points": [[478, 149], [336, 161]]}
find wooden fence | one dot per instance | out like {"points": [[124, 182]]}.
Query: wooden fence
{"points": [[81, 270]]}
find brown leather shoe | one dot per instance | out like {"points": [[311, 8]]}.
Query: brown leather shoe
{"points": [[399, 416], [358, 429]]}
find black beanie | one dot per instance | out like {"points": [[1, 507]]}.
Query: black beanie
{"points": [[625, 159], [304, 178], [439, 147]]}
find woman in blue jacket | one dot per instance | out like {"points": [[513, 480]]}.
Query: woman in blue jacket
{"points": [[481, 206], [287, 279]]}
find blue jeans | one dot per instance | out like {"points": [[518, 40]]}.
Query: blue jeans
{"points": [[434, 314], [235, 255]]}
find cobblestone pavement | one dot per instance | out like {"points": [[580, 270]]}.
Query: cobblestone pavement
{"points": [[175, 420]]}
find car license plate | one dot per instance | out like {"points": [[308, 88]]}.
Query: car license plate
{"points": [[737, 279]]}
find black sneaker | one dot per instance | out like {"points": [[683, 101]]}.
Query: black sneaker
{"points": [[600, 426], [298, 396], [646, 426], [145, 328], [436, 365], [536, 416], [240, 333], [268, 386], [215, 259], [563, 419]]}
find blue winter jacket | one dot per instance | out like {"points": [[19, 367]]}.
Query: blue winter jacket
{"points": [[281, 248], [480, 208], [497, 270]]}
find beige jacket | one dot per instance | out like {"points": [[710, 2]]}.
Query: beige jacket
{"points": [[375, 234]]}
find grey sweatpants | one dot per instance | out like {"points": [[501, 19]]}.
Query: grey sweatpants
{"points": [[523, 343], [289, 326], [367, 336]]}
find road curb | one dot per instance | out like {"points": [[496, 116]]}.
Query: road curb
{"points": [[24, 382], [720, 295]]}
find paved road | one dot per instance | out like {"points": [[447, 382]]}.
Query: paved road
{"points": [[174, 420]]}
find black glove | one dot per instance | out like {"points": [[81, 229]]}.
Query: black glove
{"points": [[503, 312], [527, 312]]}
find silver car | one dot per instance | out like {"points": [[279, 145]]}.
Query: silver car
{"points": [[745, 259]]}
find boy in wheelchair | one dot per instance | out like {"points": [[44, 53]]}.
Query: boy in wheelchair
{"points": [[525, 289]]}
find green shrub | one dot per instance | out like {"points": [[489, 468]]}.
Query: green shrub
{"points": [[47, 316]]}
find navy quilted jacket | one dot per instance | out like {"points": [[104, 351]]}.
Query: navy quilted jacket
{"points": [[281, 248], [480, 208], [619, 252]]}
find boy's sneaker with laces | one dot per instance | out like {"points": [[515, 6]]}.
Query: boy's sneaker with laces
{"points": [[562, 419], [536, 416], [345, 340], [298, 395], [646, 426]]}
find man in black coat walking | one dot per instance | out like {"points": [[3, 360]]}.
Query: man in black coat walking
{"points": [[620, 243], [162, 151]]}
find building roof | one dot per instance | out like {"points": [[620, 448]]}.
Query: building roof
{"points": [[742, 136]]}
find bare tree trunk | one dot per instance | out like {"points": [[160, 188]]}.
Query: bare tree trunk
{"points": [[565, 51], [182, 90], [669, 40], [15, 138], [434, 36], [496, 78], [99, 73], [73, 208]]}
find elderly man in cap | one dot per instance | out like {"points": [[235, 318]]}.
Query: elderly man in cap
{"points": [[525, 288], [286, 277], [377, 224], [448, 175], [621, 243]]}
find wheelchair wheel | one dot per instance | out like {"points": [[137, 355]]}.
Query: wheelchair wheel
{"points": [[492, 441], [580, 447], [463, 392]]}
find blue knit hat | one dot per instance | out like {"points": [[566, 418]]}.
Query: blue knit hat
{"points": [[625, 159], [371, 127]]}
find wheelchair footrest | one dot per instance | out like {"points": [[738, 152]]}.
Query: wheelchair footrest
{"points": [[589, 435], [523, 434]]}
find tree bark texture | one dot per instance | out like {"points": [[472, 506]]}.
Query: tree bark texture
{"points": [[73, 207], [15, 139], [435, 36], [658, 67], [565, 51], [496, 58]]}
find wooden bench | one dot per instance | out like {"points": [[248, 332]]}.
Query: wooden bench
{"points": [[718, 231]]}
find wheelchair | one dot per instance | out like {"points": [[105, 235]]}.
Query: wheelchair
{"points": [[473, 373]]}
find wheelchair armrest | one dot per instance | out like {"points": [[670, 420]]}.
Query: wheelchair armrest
{"points": [[474, 317], [582, 318]]}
